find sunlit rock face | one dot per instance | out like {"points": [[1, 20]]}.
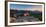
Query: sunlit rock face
{"points": [[26, 14]]}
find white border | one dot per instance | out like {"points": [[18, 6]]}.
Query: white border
{"points": [[25, 22]]}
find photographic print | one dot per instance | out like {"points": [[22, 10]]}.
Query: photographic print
{"points": [[25, 13]]}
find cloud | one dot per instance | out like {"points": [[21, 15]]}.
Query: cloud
{"points": [[32, 8]]}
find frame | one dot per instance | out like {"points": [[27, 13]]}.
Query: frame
{"points": [[40, 8]]}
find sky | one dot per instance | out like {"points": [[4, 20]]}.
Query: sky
{"points": [[25, 7], [19, 6]]}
